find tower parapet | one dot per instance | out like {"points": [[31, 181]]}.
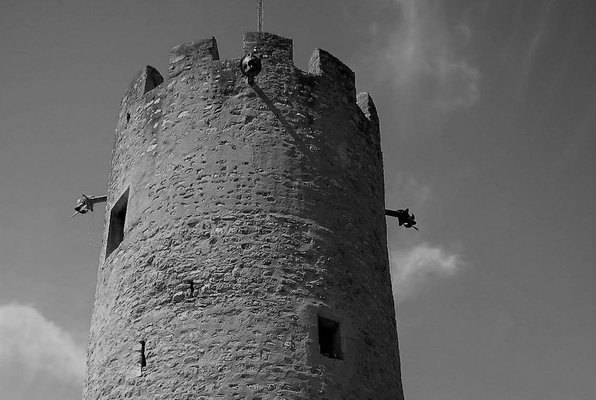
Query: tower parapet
{"points": [[245, 245]]}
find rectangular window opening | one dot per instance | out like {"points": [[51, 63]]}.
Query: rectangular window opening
{"points": [[330, 338], [117, 220], [142, 357]]}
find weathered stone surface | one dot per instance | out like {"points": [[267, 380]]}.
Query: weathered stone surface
{"points": [[270, 200]]}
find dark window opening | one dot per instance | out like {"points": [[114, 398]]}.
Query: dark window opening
{"points": [[117, 220], [330, 338], [191, 287], [142, 358]]}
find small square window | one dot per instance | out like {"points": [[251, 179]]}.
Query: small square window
{"points": [[330, 338], [117, 220]]}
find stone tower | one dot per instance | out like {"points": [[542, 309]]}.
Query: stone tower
{"points": [[245, 247]]}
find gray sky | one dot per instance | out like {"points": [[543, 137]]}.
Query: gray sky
{"points": [[488, 115]]}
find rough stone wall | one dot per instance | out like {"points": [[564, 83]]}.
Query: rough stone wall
{"points": [[270, 199]]}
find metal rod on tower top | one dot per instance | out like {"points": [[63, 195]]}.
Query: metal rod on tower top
{"points": [[260, 15]]}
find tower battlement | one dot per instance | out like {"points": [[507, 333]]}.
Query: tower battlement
{"points": [[201, 58], [245, 244]]}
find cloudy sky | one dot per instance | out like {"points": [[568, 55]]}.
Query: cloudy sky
{"points": [[488, 115]]}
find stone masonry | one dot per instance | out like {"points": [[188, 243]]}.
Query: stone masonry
{"points": [[251, 258]]}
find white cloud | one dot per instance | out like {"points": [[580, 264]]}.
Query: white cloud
{"points": [[422, 54], [29, 340], [412, 268]]}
